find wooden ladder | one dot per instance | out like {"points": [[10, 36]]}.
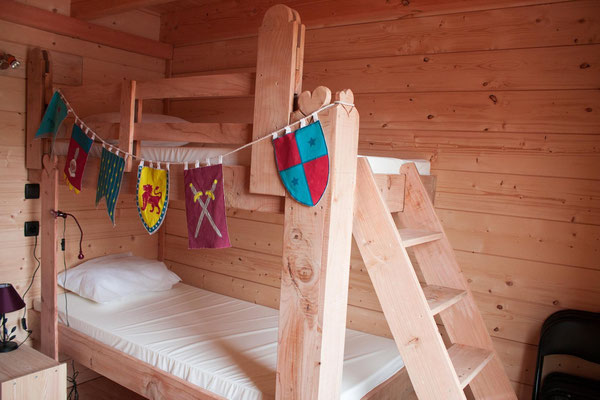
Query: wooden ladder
{"points": [[436, 372]]}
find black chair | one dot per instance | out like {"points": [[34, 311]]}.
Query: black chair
{"points": [[570, 332]]}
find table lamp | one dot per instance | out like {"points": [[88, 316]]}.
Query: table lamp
{"points": [[9, 301]]}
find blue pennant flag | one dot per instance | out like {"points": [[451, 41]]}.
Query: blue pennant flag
{"points": [[109, 181], [53, 117]]}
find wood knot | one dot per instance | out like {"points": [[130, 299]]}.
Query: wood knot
{"points": [[296, 235], [584, 65], [493, 98], [304, 273]]}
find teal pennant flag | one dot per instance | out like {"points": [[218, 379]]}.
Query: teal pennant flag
{"points": [[109, 181], [53, 117]]}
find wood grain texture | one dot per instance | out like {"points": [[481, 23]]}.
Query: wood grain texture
{"points": [[128, 370], [49, 195], [226, 85], [127, 119], [56, 23], [463, 322], [274, 92], [36, 71], [315, 274], [545, 25], [209, 22], [28, 374], [87, 9], [389, 266]]}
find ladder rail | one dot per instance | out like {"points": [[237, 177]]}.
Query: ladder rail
{"points": [[396, 284], [463, 321]]}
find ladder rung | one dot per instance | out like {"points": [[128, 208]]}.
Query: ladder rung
{"points": [[413, 237], [439, 298], [468, 361]]}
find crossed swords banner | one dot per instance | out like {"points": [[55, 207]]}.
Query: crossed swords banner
{"points": [[205, 207]]}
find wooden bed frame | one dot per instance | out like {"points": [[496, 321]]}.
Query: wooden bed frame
{"points": [[315, 273], [257, 188]]}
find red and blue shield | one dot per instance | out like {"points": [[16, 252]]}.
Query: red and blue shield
{"points": [[303, 163]]}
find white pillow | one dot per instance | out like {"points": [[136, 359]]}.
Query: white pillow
{"points": [[111, 277]]}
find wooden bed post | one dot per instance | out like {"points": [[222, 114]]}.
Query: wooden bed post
{"points": [[49, 319], [279, 46], [127, 120], [316, 269], [38, 71]]}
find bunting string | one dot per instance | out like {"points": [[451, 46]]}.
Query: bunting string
{"points": [[273, 135]]}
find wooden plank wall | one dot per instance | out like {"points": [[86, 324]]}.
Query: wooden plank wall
{"points": [[502, 99], [75, 62]]}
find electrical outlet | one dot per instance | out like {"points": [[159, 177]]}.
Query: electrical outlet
{"points": [[32, 228], [32, 191]]}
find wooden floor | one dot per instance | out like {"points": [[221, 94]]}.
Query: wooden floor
{"points": [[104, 389]]}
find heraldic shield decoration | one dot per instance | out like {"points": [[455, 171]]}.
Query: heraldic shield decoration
{"points": [[303, 163], [152, 196]]}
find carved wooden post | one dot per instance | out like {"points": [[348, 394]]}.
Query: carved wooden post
{"points": [[279, 46], [316, 268]]}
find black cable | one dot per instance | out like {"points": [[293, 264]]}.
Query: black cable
{"points": [[65, 269], [24, 318], [36, 269], [73, 381]]}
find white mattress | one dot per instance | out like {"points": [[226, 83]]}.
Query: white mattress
{"points": [[225, 345], [379, 165]]}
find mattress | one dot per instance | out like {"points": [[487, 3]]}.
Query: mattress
{"points": [[222, 344], [177, 152], [379, 165]]}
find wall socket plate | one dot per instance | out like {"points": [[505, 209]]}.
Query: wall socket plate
{"points": [[32, 190], [32, 228]]}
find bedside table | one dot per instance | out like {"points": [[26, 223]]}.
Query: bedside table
{"points": [[28, 374]]}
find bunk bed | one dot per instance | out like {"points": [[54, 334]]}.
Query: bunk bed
{"points": [[302, 347]]}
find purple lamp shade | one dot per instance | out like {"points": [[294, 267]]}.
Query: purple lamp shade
{"points": [[9, 299]]}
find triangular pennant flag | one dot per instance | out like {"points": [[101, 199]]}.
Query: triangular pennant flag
{"points": [[79, 147], [109, 181], [53, 117], [205, 207], [303, 163], [152, 196]]}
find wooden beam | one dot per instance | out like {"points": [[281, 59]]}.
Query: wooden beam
{"points": [[237, 84], [49, 321], [92, 9], [128, 371], [194, 132], [34, 17], [274, 93], [127, 120], [36, 69], [315, 274]]}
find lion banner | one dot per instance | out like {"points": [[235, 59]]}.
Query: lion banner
{"points": [[152, 196]]}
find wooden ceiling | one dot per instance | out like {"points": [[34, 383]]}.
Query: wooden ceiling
{"points": [[90, 9]]}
